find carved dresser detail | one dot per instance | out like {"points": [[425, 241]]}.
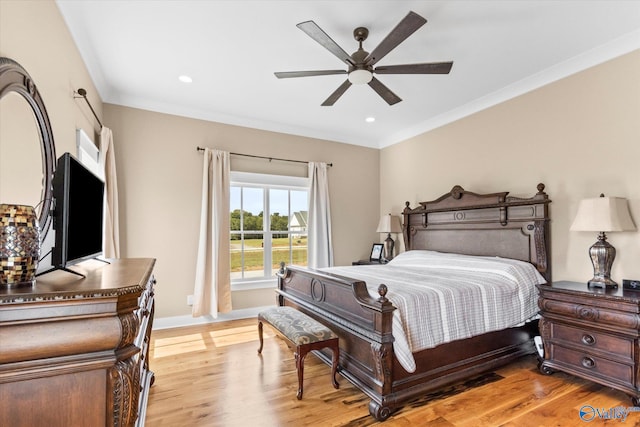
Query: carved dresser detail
{"points": [[592, 333], [74, 351]]}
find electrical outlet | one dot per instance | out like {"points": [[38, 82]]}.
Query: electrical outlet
{"points": [[631, 284], [189, 299]]}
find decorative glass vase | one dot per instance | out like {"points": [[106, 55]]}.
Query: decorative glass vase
{"points": [[19, 245]]}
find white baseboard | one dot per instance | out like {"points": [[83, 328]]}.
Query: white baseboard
{"points": [[180, 321]]}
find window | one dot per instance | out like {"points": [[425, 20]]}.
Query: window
{"points": [[89, 154], [268, 224]]}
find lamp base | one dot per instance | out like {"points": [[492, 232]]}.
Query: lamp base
{"points": [[605, 283], [388, 248], [602, 255]]}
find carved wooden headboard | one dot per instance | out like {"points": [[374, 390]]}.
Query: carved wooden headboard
{"points": [[483, 224]]}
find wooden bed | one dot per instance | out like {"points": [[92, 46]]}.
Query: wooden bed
{"points": [[458, 222]]}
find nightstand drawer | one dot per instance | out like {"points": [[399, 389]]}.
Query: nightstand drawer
{"points": [[603, 342], [592, 365]]}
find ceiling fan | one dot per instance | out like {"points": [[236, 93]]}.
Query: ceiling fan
{"points": [[361, 63]]}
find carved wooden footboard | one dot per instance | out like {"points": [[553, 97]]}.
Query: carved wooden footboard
{"points": [[460, 222], [362, 322]]}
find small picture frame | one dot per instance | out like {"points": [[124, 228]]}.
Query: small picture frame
{"points": [[376, 252]]}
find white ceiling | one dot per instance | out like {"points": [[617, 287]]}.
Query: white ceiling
{"points": [[135, 51]]}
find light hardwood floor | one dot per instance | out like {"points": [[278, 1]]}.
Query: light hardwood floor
{"points": [[211, 375]]}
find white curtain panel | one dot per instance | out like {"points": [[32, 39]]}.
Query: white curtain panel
{"points": [[111, 224], [319, 222], [212, 291]]}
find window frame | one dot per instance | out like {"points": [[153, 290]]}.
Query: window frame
{"points": [[265, 182]]}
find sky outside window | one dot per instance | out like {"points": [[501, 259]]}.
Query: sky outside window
{"points": [[253, 201]]}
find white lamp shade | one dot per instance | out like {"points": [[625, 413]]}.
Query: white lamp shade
{"points": [[603, 214], [389, 224]]}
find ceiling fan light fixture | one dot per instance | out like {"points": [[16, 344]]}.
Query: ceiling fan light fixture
{"points": [[360, 77]]}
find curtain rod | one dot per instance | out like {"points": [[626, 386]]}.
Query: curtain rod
{"points": [[267, 158], [83, 94]]}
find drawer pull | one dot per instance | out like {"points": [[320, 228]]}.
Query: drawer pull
{"points": [[588, 339], [588, 362]]}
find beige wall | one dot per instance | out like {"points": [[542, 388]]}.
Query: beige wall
{"points": [[160, 180], [34, 34], [580, 136]]}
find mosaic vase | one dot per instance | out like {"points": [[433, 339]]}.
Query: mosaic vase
{"points": [[19, 245]]}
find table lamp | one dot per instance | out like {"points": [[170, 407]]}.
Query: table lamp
{"points": [[389, 224], [603, 214]]}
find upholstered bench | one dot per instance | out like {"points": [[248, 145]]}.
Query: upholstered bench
{"points": [[305, 333]]}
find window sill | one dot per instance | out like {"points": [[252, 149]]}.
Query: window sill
{"points": [[254, 284]]}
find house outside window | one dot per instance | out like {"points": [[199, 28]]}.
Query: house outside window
{"points": [[268, 225], [298, 223]]}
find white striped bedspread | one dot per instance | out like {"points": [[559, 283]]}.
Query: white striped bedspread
{"points": [[442, 297]]}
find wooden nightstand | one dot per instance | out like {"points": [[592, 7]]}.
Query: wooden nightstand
{"points": [[592, 333]]}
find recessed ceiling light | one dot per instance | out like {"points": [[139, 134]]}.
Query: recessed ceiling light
{"points": [[370, 119], [185, 79]]}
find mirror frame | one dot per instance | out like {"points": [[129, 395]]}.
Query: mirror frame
{"points": [[14, 78]]}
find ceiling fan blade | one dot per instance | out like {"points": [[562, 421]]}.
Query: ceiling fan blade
{"points": [[316, 33], [404, 29], [336, 94], [289, 74], [384, 92], [426, 68]]}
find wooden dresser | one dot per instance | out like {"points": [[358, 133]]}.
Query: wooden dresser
{"points": [[592, 333], [74, 351]]}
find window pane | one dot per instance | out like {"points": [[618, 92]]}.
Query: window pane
{"points": [[279, 209], [280, 245], [247, 256], [299, 249], [253, 208], [234, 205], [298, 220], [253, 255], [236, 255], [299, 200]]}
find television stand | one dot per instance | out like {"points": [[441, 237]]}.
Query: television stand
{"points": [[68, 270]]}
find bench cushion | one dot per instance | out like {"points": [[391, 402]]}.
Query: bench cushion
{"points": [[297, 326]]}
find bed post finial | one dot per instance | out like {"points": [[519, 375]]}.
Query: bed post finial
{"points": [[382, 290], [407, 209], [540, 188], [281, 271], [457, 191]]}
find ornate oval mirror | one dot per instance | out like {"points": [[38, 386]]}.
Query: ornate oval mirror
{"points": [[27, 150]]}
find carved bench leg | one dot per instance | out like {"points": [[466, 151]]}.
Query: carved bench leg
{"points": [[335, 349], [301, 353], [260, 337]]}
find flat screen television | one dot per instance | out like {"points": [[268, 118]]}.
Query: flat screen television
{"points": [[78, 213]]}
